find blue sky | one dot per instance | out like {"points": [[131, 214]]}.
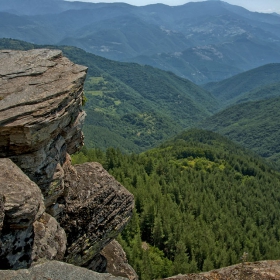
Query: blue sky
{"points": [[266, 6]]}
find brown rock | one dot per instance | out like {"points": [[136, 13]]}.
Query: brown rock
{"points": [[263, 270], [40, 114], [49, 239], [41, 118], [97, 208], [117, 263]]}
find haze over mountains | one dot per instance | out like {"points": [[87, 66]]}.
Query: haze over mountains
{"points": [[135, 107], [201, 41], [201, 199]]}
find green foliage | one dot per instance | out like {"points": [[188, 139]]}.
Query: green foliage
{"points": [[133, 107], [254, 125], [200, 202], [256, 84]]}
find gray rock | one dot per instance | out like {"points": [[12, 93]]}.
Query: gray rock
{"points": [[49, 239], [97, 209], [23, 201], [27, 233], [41, 121], [55, 270]]}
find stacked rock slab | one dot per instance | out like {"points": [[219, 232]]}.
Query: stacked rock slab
{"points": [[40, 114], [41, 119]]}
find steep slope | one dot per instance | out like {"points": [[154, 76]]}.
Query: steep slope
{"points": [[133, 107], [254, 125], [250, 85], [201, 202]]}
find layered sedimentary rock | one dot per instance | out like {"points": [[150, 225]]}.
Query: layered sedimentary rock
{"points": [[97, 209], [41, 117], [40, 114]]}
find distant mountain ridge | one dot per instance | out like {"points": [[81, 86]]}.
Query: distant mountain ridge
{"points": [[254, 125], [256, 84], [202, 41]]}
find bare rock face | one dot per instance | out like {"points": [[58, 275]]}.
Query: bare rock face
{"points": [[21, 212], [54, 270], [49, 239], [263, 270], [97, 209], [23, 201], [40, 114], [117, 263], [41, 119]]}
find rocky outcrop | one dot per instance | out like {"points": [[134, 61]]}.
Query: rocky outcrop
{"points": [[117, 263], [60, 211], [97, 209], [40, 114], [55, 270], [263, 270], [27, 233]]}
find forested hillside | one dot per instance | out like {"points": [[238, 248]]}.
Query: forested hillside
{"points": [[130, 106], [256, 84], [201, 202], [254, 125]]}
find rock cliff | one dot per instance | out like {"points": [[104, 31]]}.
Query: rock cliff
{"points": [[49, 209]]}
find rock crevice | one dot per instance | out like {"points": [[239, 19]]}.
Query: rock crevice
{"points": [[49, 209]]}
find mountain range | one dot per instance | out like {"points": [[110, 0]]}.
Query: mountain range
{"points": [[201, 41], [134, 107]]}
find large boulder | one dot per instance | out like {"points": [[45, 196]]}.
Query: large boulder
{"points": [[97, 209], [27, 233], [262, 270], [117, 263], [41, 114]]}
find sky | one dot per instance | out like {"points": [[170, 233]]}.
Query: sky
{"points": [[265, 6]]}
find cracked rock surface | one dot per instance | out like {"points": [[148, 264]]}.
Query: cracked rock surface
{"points": [[41, 114], [97, 209], [27, 233], [49, 209]]}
